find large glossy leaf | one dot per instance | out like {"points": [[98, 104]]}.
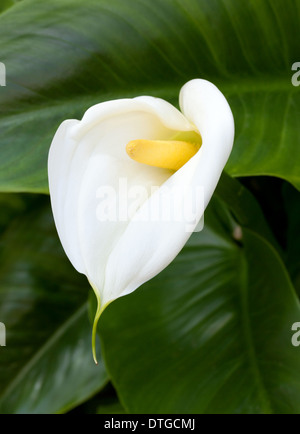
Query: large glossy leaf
{"points": [[47, 365], [210, 334], [64, 55]]}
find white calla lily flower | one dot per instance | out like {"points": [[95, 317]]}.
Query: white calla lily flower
{"points": [[149, 143]]}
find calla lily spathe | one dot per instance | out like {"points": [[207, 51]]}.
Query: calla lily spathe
{"points": [[119, 256]]}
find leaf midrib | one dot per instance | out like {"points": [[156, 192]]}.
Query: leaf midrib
{"points": [[238, 86]]}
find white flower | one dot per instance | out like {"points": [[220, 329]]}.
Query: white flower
{"points": [[179, 152]]}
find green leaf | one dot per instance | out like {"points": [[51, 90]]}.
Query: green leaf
{"points": [[211, 333], [47, 365], [63, 56], [5, 4]]}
